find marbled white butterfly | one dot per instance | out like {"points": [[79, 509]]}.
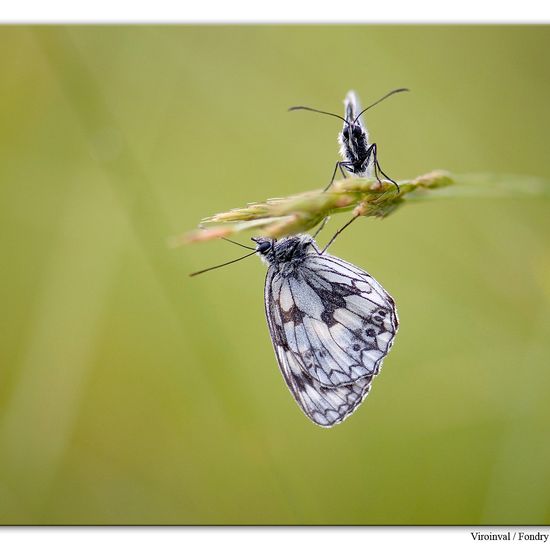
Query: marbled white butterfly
{"points": [[359, 156], [331, 325]]}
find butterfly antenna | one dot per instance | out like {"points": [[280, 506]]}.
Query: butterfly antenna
{"points": [[338, 233], [302, 108], [238, 244], [398, 90], [222, 265]]}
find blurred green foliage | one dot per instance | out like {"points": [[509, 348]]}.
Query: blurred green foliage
{"points": [[130, 393]]}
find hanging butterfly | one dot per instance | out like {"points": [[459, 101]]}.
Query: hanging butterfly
{"points": [[330, 322]]}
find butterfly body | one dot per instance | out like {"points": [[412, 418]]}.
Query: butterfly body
{"points": [[331, 325], [355, 150]]}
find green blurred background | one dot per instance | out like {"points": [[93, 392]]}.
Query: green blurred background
{"points": [[130, 393]]}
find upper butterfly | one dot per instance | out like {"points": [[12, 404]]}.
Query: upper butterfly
{"points": [[359, 156], [331, 325]]}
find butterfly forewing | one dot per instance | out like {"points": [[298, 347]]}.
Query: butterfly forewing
{"points": [[331, 325], [351, 106]]}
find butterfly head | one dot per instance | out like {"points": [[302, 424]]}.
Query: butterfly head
{"points": [[284, 250], [263, 245], [352, 132]]}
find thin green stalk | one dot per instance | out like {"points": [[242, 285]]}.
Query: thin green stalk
{"points": [[365, 197]]}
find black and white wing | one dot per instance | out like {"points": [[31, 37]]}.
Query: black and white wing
{"points": [[356, 145], [331, 325], [352, 107]]}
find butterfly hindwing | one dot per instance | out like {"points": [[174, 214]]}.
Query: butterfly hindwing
{"points": [[324, 405]]}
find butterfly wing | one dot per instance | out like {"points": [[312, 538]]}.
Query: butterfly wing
{"points": [[352, 107], [331, 325], [325, 406], [353, 148]]}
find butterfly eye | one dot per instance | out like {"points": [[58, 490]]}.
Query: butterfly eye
{"points": [[357, 132], [346, 132], [263, 247]]}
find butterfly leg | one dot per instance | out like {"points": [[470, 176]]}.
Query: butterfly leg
{"points": [[325, 220], [343, 165], [338, 233], [372, 150], [333, 176], [320, 228], [339, 164]]}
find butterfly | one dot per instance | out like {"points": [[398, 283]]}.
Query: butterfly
{"points": [[331, 325], [360, 157]]}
